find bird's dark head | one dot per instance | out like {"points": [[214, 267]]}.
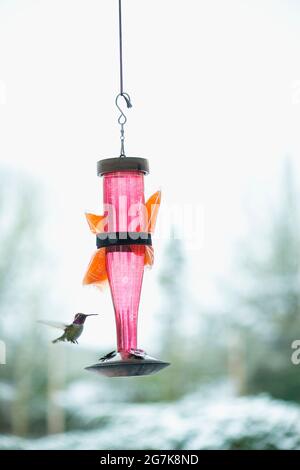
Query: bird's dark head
{"points": [[81, 317]]}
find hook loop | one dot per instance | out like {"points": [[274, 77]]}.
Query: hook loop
{"points": [[122, 118]]}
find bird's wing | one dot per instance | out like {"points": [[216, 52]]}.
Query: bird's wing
{"points": [[108, 356], [54, 324]]}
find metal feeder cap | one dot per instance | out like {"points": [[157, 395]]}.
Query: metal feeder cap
{"points": [[110, 165]]}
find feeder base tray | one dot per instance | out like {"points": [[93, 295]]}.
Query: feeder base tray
{"points": [[128, 367]]}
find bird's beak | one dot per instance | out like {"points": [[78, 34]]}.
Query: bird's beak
{"points": [[92, 315]]}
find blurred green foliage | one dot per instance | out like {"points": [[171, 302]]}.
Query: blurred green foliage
{"points": [[269, 264]]}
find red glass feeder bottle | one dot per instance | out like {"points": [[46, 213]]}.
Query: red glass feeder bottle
{"points": [[124, 247]]}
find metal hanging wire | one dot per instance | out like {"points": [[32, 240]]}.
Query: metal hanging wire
{"points": [[125, 96]]}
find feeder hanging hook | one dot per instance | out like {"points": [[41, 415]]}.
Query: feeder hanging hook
{"points": [[122, 118]]}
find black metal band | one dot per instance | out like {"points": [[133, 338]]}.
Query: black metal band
{"points": [[106, 239]]}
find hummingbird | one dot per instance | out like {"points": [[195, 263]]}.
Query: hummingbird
{"points": [[72, 331], [132, 354], [108, 356]]}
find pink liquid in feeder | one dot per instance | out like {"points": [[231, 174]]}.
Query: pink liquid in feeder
{"points": [[124, 194]]}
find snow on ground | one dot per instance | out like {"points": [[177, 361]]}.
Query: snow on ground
{"points": [[196, 422]]}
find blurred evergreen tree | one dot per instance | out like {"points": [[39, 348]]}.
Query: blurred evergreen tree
{"points": [[24, 285], [269, 298], [180, 332], [173, 311]]}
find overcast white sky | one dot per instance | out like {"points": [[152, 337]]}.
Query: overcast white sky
{"points": [[215, 87]]}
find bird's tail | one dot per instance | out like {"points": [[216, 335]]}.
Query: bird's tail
{"points": [[57, 340]]}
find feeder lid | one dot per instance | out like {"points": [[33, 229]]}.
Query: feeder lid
{"points": [[109, 165]]}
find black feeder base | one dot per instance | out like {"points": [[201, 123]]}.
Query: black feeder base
{"points": [[129, 367]]}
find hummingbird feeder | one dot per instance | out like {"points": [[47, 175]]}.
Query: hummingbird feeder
{"points": [[124, 248]]}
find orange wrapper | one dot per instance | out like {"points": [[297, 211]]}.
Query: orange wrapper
{"points": [[96, 272], [152, 206], [96, 222]]}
